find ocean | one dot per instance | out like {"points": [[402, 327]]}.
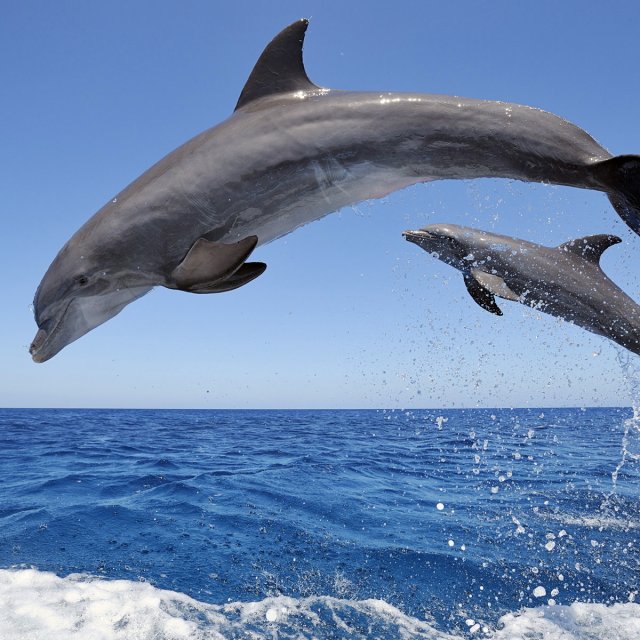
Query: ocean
{"points": [[506, 524]]}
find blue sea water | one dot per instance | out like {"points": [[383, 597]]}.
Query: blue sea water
{"points": [[319, 524]]}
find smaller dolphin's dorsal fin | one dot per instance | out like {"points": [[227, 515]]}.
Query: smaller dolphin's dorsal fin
{"points": [[280, 68], [590, 247]]}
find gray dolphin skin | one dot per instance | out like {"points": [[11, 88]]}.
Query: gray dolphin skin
{"points": [[564, 281], [291, 153]]}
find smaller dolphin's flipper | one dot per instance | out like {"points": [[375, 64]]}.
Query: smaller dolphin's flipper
{"points": [[483, 287], [208, 263], [481, 295], [495, 285], [246, 273], [620, 177], [590, 247]]}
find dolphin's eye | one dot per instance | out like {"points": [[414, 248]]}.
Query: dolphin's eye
{"points": [[82, 280]]}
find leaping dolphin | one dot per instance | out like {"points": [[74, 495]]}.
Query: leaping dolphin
{"points": [[564, 281], [291, 153]]}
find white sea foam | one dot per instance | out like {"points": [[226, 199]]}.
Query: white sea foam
{"points": [[578, 621], [38, 605], [601, 523]]}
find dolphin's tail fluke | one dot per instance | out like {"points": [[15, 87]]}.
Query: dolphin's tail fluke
{"points": [[620, 177]]}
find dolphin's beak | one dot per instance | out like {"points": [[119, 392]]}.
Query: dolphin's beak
{"points": [[78, 317], [417, 236], [44, 345], [36, 345]]}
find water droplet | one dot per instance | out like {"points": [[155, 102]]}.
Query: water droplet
{"points": [[271, 615]]}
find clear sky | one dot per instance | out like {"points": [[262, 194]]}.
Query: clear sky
{"points": [[348, 314]]}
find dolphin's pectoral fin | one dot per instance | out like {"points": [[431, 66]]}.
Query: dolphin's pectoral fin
{"points": [[495, 285], [208, 263], [481, 295], [280, 68], [590, 247], [245, 274]]}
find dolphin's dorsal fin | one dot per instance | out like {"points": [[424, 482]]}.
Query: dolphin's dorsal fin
{"points": [[590, 247], [280, 68]]}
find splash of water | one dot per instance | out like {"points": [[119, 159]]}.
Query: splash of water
{"points": [[630, 445]]}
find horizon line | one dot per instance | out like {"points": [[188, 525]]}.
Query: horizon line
{"points": [[402, 409]]}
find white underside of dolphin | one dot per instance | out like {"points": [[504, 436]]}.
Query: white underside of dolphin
{"points": [[291, 153]]}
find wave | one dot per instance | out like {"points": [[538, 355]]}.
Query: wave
{"points": [[593, 522], [37, 604], [578, 621]]}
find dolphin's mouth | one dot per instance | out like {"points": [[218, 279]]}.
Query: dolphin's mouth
{"points": [[44, 337], [36, 345], [65, 324], [417, 235]]}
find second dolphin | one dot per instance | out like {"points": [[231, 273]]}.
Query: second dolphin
{"points": [[564, 281]]}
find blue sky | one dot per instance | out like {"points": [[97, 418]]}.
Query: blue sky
{"points": [[348, 314]]}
